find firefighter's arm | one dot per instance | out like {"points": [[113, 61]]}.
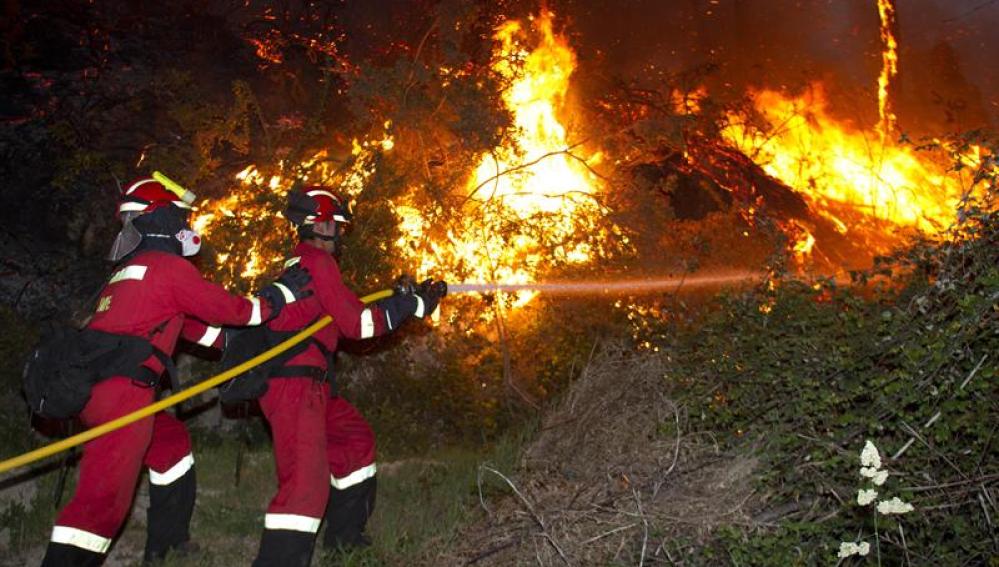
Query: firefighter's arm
{"points": [[202, 334], [353, 318], [193, 295]]}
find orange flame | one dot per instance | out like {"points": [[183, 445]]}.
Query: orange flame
{"points": [[889, 66], [839, 168], [526, 201]]}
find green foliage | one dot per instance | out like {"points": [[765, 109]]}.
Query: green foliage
{"points": [[810, 371], [465, 382]]}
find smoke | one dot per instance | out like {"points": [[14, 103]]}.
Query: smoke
{"points": [[948, 79]]}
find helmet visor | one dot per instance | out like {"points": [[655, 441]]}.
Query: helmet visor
{"points": [[128, 239]]}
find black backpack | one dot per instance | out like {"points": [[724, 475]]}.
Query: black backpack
{"points": [[244, 344], [63, 369]]}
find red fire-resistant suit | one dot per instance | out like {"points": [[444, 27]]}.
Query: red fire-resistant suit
{"points": [[304, 419], [149, 296]]}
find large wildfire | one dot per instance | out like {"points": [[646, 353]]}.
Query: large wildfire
{"points": [[856, 177], [526, 205]]}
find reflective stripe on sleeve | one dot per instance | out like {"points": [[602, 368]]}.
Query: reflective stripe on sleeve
{"points": [[367, 324], [360, 475], [291, 522], [210, 336], [79, 538], [289, 297], [255, 318], [174, 473], [129, 273], [419, 306]]}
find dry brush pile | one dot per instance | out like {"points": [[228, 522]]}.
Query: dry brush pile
{"points": [[613, 476]]}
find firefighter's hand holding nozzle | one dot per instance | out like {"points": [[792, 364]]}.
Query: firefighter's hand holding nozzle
{"points": [[404, 285], [431, 292], [428, 293]]}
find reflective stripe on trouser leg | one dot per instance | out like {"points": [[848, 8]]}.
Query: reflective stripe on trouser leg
{"points": [[347, 514], [356, 477], [109, 469], [292, 522], [80, 538]]}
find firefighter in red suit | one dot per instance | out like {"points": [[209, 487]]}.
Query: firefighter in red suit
{"points": [[152, 291], [321, 440]]}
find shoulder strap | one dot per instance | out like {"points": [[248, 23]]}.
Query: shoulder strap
{"points": [[80, 317]]}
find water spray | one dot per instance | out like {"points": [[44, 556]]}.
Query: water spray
{"points": [[609, 287]]}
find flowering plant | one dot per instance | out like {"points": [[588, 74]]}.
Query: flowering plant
{"points": [[873, 477]]}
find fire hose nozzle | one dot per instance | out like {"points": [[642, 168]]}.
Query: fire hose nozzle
{"points": [[176, 188]]}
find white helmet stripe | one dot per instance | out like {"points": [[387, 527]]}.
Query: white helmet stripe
{"points": [[315, 192], [132, 206]]}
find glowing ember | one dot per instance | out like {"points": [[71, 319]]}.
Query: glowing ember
{"points": [[527, 208], [688, 102]]}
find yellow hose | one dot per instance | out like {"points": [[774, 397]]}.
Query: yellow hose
{"points": [[165, 403]]}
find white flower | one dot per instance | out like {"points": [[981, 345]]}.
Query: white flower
{"points": [[869, 472], [894, 506], [848, 548], [869, 457], [880, 478], [865, 497]]}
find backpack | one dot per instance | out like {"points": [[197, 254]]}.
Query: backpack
{"points": [[62, 370], [244, 344]]}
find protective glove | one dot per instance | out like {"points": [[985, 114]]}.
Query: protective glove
{"points": [[430, 294], [288, 288], [405, 285]]}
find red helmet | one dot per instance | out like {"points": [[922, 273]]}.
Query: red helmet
{"points": [[147, 195], [315, 204]]}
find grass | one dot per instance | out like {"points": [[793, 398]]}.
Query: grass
{"points": [[421, 504]]}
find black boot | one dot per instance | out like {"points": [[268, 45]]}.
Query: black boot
{"points": [[63, 555], [168, 519], [285, 548], [347, 514]]}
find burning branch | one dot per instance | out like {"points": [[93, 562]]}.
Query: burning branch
{"points": [[528, 164]]}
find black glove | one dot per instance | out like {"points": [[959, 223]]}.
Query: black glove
{"points": [[397, 308], [288, 288], [430, 292], [404, 285]]}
